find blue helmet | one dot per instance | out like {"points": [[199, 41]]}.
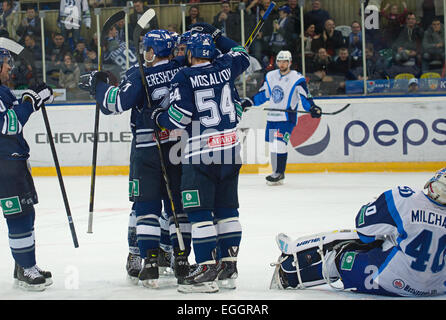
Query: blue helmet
{"points": [[160, 41], [184, 38], [201, 45]]}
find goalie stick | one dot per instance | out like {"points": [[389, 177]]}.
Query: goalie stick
{"points": [[107, 25], [143, 21], [17, 49]]}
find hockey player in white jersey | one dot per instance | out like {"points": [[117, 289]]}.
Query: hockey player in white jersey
{"points": [[71, 14], [285, 89], [398, 248]]}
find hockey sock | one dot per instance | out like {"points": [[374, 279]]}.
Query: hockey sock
{"points": [[274, 161], [281, 162], [21, 239], [131, 234], [148, 231], [185, 227], [229, 232], [204, 235], [165, 237]]}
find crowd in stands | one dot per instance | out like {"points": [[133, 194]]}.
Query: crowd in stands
{"points": [[407, 41]]}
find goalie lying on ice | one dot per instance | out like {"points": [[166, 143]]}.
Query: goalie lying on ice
{"points": [[397, 249]]}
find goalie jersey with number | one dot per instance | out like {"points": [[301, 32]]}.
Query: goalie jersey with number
{"points": [[414, 230], [130, 94], [13, 116], [284, 92], [204, 104]]}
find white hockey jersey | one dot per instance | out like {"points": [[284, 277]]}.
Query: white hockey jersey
{"points": [[414, 229], [72, 12], [284, 92]]}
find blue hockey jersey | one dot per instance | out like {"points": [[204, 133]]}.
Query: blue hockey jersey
{"points": [[13, 116], [131, 95], [203, 102], [413, 228]]}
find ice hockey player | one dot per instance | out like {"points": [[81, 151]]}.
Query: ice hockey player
{"points": [[203, 105], [285, 89], [17, 192], [147, 187], [398, 248]]}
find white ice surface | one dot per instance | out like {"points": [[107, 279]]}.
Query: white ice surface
{"points": [[305, 204]]}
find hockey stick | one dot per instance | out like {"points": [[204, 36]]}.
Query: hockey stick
{"points": [[299, 111], [143, 21], [59, 176], [259, 25], [107, 25], [17, 49]]}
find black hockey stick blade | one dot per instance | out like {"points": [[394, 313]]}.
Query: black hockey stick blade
{"points": [[300, 111], [109, 23]]}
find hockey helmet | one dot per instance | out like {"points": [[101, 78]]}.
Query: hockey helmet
{"points": [[201, 45], [5, 56], [436, 187], [184, 38], [284, 55], [160, 41]]}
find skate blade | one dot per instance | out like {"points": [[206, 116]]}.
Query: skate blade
{"points": [[48, 282], [278, 183], [132, 280], [31, 287], [151, 284], [227, 284], [205, 287], [275, 281]]}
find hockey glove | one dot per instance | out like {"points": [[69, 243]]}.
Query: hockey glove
{"points": [[203, 27], [153, 119], [89, 81], [315, 111], [245, 103], [38, 95]]}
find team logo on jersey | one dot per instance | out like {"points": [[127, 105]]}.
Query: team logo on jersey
{"points": [[277, 94], [222, 140], [305, 129], [398, 283]]}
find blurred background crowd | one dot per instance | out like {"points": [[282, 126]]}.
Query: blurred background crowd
{"points": [[403, 50]]}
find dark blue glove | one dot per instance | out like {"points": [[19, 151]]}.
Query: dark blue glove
{"points": [[203, 27], [89, 81], [315, 111], [152, 118]]}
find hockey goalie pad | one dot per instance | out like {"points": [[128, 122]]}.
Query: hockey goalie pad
{"points": [[311, 260]]}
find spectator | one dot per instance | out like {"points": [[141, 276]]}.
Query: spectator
{"points": [[393, 21], [172, 27], [433, 44], [413, 85], [9, 19], [342, 64], [32, 45], [69, 73], [427, 10], [375, 65], [97, 3], [321, 65], [57, 49], [138, 10], [407, 48], [120, 28], [317, 16], [30, 25], [354, 41], [70, 19], [228, 22], [80, 52], [91, 61], [93, 45], [282, 37], [330, 39], [267, 32], [295, 15], [193, 17], [309, 35]]}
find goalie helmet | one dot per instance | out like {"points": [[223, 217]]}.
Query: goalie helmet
{"points": [[284, 55], [201, 45], [160, 41], [436, 187]]}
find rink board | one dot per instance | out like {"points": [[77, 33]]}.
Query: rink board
{"points": [[373, 134]]}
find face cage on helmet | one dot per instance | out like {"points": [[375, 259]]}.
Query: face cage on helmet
{"points": [[9, 61], [436, 179]]}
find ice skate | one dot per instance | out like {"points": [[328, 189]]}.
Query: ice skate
{"points": [[149, 273], [201, 280], [46, 274], [30, 279], [275, 179], [181, 264], [165, 263], [133, 268], [227, 274]]}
